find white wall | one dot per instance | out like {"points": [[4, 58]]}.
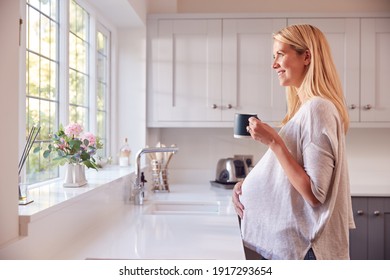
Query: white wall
{"points": [[368, 151], [9, 101], [131, 97]]}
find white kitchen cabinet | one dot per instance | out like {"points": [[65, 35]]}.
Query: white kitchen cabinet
{"points": [[206, 70], [249, 84], [187, 73], [375, 61], [203, 70], [343, 35]]}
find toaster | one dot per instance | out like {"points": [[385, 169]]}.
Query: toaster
{"points": [[231, 170]]}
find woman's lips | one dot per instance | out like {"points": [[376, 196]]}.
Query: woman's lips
{"points": [[280, 72]]}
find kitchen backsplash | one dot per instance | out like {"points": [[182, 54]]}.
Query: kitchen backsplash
{"points": [[368, 152]]}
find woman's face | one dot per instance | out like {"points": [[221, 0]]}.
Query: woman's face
{"points": [[289, 65]]}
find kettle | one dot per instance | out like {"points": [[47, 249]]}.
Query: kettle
{"points": [[231, 170]]}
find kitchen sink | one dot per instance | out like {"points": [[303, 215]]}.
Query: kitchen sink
{"points": [[182, 208]]}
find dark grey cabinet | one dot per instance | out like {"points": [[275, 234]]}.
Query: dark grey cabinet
{"points": [[371, 238]]}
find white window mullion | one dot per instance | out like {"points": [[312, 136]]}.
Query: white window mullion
{"points": [[92, 75], [64, 63], [63, 83]]}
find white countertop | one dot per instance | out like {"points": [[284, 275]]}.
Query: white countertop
{"points": [[134, 233], [108, 226]]}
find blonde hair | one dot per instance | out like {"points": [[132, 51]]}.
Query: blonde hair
{"points": [[321, 78]]}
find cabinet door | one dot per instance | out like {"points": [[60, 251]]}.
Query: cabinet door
{"points": [[386, 214], [358, 237], [343, 36], [188, 70], [375, 61], [378, 229], [249, 84]]}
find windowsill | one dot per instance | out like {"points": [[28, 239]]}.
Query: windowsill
{"points": [[51, 197]]}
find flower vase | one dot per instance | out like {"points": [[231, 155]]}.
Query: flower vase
{"points": [[75, 176]]}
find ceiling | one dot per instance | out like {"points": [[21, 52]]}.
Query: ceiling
{"points": [[119, 12]]}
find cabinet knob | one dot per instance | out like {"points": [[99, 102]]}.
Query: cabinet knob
{"points": [[377, 213], [229, 106], [360, 212], [368, 107], [214, 106], [352, 106]]}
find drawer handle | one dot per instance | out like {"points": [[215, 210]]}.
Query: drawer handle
{"points": [[229, 106], [360, 212], [352, 106], [214, 106], [368, 107], [377, 213]]}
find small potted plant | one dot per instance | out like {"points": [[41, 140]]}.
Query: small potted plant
{"points": [[76, 149]]}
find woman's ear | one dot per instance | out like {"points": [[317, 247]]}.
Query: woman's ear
{"points": [[307, 59]]}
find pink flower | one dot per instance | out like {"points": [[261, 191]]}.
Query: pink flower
{"points": [[73, 129], [90, 137]]}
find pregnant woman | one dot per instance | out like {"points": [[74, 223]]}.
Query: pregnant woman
{"points": [[296, 203]]}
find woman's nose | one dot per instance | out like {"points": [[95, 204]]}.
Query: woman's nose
{"points": [[275, 64]]}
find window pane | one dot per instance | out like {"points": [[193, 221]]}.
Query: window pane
{"points": [[100, 100], [78, 21], [33, 30], [81, 55], [101, 43], [45, 36], [45, 78], [78, 88], [32, 78], [101, 128], [41, 169], [34, 3], [101, 75], [44, 113], [82, 19], [72, 51], [49, 7], [79, 115]]}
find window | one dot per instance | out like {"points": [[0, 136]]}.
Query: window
{"points": [[53, 96], [41, 81]]}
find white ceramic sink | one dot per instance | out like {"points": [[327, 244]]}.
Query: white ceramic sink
{"points": [[182, 208]]}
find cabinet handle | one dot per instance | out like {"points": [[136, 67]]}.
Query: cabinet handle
{"points": [[214, 106], [368, 107], [352, 106], [377, 213], [229, 106], [360, 212]]}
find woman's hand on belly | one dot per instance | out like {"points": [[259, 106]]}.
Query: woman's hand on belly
{"points": [[236, 199]]}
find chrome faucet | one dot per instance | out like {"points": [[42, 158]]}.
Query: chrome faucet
{"points": [[139, 184]]}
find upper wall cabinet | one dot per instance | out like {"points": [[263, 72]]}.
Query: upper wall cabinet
{"points": [[375, 73], [201, 71]]}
